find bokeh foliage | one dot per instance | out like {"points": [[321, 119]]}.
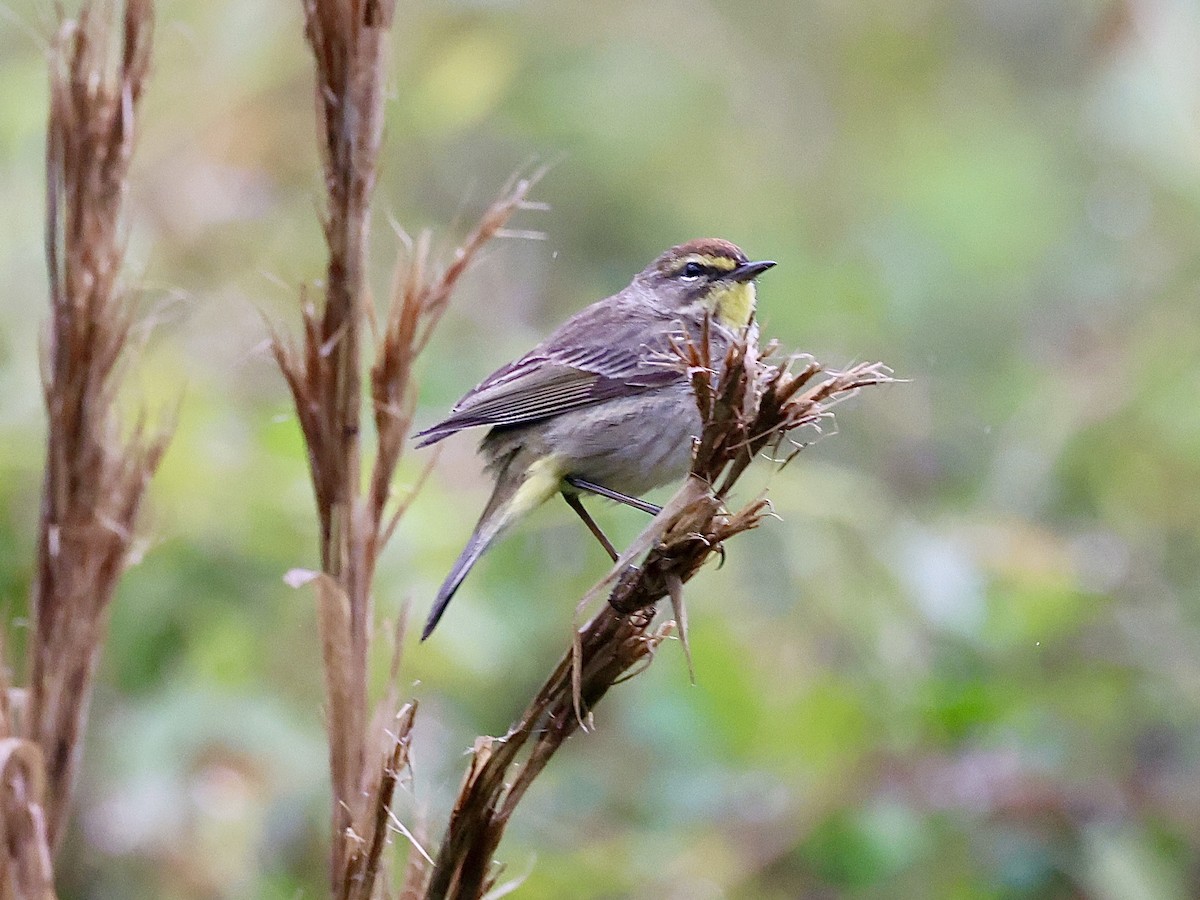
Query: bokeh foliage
{"points": [[962, 665]]}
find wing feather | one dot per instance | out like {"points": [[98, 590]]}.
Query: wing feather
{"points": [[545, 383]]}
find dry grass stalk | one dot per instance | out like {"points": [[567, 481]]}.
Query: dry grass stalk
{"points": [[609, 646], [325, 376], [95, 480], [349, 46], [27, 871], [747, 405]]}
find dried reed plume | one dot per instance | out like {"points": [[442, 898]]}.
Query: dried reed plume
{"points": [[747, 404], [95, 479], [367, 752]]}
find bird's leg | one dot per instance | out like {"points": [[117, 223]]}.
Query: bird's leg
{"points": [[576, 504], [599, 489], [609, 493]]}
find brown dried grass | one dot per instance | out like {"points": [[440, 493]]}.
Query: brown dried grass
{"points": [[95, 477], [368, 747]]}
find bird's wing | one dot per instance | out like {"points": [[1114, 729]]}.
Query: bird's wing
{"points": [[545, 383]]}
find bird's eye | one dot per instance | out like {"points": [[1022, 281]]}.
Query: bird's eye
{"points": [[692, 270]]}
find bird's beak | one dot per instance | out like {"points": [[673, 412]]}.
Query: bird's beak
{"points": [[750, 270]]}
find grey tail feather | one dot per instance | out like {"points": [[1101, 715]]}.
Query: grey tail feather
{"points": [[490, 526], [475, 546]]}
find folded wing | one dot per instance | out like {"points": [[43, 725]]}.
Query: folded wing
{"points": [[545, 383]]}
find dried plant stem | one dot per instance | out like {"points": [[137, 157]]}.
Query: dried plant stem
{"points": [[367, 751], [746, 404], [349, 46], [609, 646], [26, 868], [94, 480]]}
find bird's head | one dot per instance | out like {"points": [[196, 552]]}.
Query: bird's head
{"points": [[705, 275]]}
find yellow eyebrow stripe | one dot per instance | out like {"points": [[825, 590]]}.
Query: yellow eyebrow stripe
{"points": [[721, 263]]}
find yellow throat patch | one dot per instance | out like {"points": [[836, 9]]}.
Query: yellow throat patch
{"points": [[733, 304]]}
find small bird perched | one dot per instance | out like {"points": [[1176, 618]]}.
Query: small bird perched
{"points": [[598, 407]]}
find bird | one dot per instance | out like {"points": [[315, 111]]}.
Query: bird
{"points": [[601, 406]]}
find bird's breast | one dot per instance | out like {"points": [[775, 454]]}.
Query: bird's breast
{"points": [[631, 444]]}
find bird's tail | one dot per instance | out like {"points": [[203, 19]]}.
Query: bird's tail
{"points": [[520, 488]]}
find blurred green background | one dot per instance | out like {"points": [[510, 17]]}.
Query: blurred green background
{"points": [[963, 664]]}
